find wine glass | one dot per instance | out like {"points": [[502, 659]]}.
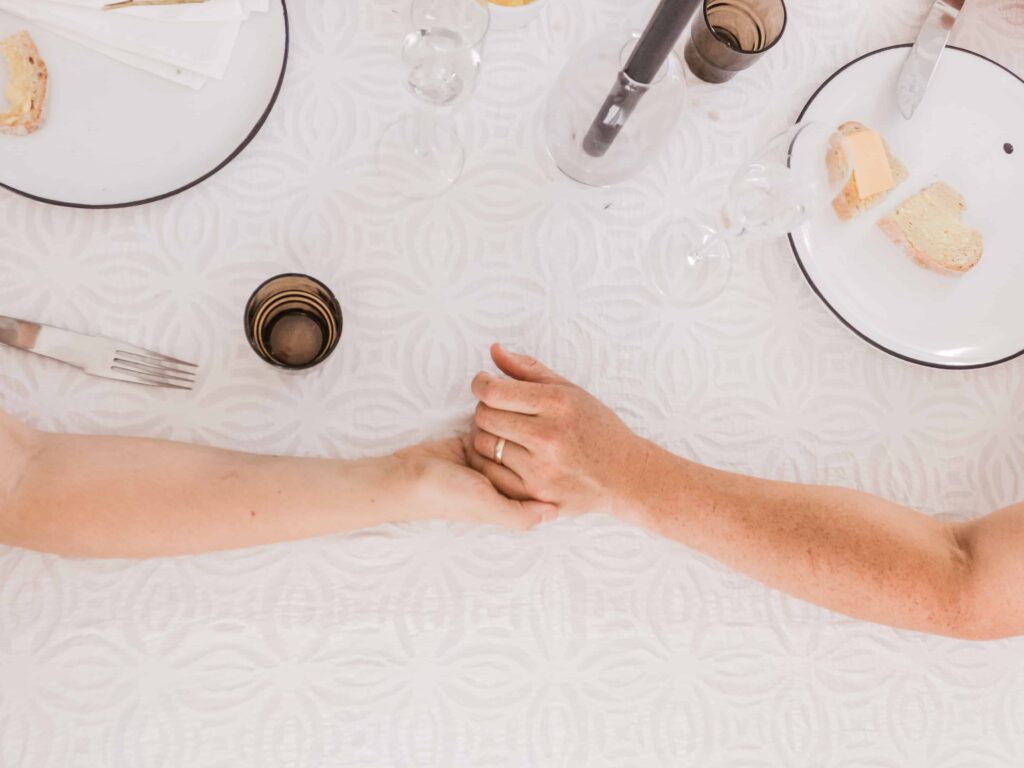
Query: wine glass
{"points": [[421, 153], [794, 176]]}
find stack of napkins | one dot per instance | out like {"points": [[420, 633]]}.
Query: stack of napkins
{"points": [[187, 43]]}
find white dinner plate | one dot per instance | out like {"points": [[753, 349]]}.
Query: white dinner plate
{"points": [[116, 136], [961, 134]]}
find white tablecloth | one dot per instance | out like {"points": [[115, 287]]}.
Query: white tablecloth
{"points": [[584, 643]]}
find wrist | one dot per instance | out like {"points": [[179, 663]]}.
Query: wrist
{"points": [[411, 477], [402, 474], [657, 485]]}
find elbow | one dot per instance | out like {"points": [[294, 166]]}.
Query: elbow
{"points": [[969, 612]]}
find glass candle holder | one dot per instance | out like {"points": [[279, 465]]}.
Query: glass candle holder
{"points": [[578, 95], [732, 35], [293, 321]]}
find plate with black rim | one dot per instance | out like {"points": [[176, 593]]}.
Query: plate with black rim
{"points": [[968, 133], [115, 136]]}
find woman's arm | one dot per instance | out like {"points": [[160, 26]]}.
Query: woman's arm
{"points": [[848, 551], [126, 497]]}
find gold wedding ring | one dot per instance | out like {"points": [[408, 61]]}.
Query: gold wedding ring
{"points": [[499, 450]]}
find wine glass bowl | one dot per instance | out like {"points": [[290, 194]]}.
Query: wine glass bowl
{"points": [[442, 53], [788, 181], [796, 174], [421, 154]]}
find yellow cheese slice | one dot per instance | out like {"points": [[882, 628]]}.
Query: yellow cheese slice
{"points": [[871, 169]]}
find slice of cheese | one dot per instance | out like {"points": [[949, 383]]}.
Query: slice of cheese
{"points": [[871, 169]]}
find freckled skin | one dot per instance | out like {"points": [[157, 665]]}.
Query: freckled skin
{"points": [[854, 553]]}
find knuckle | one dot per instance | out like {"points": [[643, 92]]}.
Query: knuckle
{"points": [[547, 439], [487, 389]]}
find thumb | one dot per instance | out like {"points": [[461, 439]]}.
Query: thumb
{"points": [[529, 514], [524, 367], [546, 512]]}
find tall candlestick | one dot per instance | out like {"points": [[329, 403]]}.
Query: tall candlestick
{"points": [[653, 48]]}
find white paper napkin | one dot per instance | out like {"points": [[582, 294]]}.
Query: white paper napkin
{"points": [[201, 48], [211, 10], [160, 69]]}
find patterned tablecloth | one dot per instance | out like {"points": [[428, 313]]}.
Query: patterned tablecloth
{"points": [[585, 643]]}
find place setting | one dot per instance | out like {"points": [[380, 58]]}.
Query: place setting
{"points": [[115, 104], [889, 185], [892, 185]]}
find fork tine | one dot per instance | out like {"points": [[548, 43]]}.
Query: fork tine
{"points": [[157, 362], [154, 367], [151, 371], [125, 374], [129, 349]]}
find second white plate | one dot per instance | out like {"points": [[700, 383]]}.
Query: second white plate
{"points": [[969, 132]]}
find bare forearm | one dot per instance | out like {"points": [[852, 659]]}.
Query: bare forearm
{"points": [[848, 551], [124, 497], [845, 550]]}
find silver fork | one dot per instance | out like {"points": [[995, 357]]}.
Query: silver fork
{"points": [[98, 355]]}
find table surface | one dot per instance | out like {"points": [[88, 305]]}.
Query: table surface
{"points": [[583, 643]]}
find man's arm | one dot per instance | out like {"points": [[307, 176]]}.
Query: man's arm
{"points": [[124, 497], [845, 550], [848, 551]]}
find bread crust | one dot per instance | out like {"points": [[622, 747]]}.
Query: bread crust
{"points": [[848, 203], [21, 51], [968, 259]]}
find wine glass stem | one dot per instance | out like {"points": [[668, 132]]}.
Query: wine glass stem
{"points": [[700, 253]]}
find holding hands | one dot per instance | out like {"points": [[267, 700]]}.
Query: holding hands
{"points": [[538, 436]]}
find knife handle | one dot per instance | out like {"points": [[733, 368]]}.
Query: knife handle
{"points": [[18, 333]]}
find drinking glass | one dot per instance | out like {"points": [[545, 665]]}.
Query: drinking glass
{"points": [[421, 153], [786, 183], [293, 321], [732, 35]]}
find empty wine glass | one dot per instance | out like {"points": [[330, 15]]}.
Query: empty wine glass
{"points": [[421, 153], [792, 178]]}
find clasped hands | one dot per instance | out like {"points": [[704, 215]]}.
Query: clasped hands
{"points": [[565, 452]]}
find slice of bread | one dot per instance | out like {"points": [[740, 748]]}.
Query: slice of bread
{"points": [[927, 226], [849, 203], [26, 86]]}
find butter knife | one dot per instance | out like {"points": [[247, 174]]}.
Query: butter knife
{"points": [[924, 56], [137, 3]]}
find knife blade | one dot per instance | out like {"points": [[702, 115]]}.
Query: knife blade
{"points": [[924, 57]]}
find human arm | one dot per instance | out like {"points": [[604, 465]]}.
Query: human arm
{"points": [[126, 497], [848, 551]]}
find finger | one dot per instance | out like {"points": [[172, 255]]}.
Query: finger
{"points": [[524, 367], [509, 394], [502, 478], [512, 426], [515, 514], [513, 455]]}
